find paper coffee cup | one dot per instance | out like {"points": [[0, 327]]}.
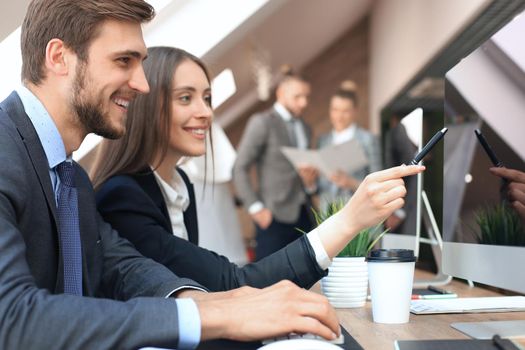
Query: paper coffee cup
{"points": [[391, 274]]}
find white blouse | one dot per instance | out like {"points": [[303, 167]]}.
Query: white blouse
{"points": [[177, 200]]}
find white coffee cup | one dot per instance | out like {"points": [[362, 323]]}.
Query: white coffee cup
{"points": [[391, 274]]}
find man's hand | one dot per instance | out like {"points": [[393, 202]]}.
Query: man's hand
{"points": [[263, 218], [270, 312], [342, 180], [378, 196], [308, 175], [516, 188]]}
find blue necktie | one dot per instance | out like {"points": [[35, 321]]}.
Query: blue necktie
{"points": [[68, 228]]}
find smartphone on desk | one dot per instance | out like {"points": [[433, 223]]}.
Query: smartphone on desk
{"points": [[432, 293]]}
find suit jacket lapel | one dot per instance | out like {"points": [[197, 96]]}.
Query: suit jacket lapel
{"points": [[15, 110], [146, 180], [190, 214], [281, 128], [307, 132], [359, 135], [89, 231], [325, 140]]}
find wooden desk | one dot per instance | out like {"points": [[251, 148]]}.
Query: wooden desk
{"points": [[372, 335]]}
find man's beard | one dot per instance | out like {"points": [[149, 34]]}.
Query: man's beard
{"points": [[89, 110]]}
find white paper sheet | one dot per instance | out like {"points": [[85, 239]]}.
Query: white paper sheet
{"points": [[461, 305], [347, 157]]}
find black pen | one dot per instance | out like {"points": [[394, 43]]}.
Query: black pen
{"points": [[490, 152], [439, 290], [435, 139]]}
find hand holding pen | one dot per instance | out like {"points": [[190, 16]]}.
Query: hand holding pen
{"points": [[515, 187]]}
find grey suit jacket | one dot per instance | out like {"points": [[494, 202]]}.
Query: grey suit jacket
{"points": [[33, 312], [280, 188], [328, 192]]}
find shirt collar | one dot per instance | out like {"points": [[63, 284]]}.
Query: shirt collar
{"points": [[344, 135], [283, 112], [175, 191], [45, 127]]}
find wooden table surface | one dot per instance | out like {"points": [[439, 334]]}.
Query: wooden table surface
{"points": [[358, 321]]}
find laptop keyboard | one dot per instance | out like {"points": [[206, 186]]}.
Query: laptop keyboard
{"points": [[338, 341]]}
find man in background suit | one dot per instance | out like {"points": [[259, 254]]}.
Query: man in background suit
{"points": [[280, 205], [343, 114], [67, 280]]}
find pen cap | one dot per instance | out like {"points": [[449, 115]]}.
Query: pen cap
{"points": [[391, 255]]}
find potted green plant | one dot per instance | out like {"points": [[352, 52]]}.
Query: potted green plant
{"points": [[499, 225], [346, 284]]}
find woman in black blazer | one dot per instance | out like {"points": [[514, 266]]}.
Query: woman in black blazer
{"points": [[171, 122]]}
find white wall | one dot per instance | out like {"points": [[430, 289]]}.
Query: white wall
{"points": [[404, 36], [12, 14]]}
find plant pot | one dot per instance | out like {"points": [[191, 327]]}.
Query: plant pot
{"points": [[346, 284]]}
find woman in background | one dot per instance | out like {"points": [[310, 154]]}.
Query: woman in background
{"points": [[343, 113], [143, 195]]}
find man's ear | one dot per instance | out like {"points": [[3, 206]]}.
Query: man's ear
{"points": [[59, 59], [279, 92]]}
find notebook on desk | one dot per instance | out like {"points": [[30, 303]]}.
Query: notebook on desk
{"points": [[468, 305]]}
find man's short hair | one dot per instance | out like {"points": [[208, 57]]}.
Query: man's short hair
{"points": [[75, 22]]}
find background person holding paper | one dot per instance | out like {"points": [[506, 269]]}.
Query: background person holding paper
{"points": [[280, 203], [342, 184]]}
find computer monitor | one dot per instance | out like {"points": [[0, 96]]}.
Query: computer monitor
{"points": [[403, 141], [485, 91]]}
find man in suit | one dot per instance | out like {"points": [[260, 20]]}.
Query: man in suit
{"points": [[343, 113], [67, 280], [280, 205]]}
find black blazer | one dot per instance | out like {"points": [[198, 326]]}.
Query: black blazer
{"points": [[134, 206], [147, 181], [33, 312]]}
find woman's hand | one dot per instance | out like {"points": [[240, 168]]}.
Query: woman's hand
{"points": [[378, 196]]}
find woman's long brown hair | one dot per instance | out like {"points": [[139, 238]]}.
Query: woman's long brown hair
{"points": [[148, 120]]}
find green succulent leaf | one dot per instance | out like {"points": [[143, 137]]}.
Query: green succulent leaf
{"points": [[362, 243]]}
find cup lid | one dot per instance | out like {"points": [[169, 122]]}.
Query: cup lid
{"points": [[391, 255]]}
